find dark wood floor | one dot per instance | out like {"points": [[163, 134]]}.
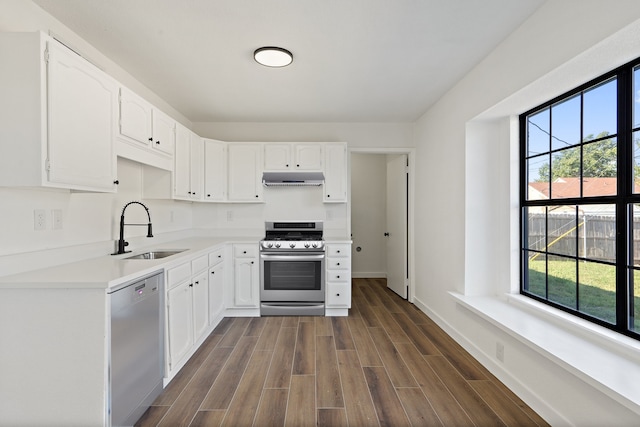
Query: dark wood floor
{"points": [[385, 364]]}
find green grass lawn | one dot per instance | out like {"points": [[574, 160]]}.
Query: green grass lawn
{"points": [[596, 290]]}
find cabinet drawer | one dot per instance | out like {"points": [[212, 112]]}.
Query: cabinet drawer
{"points": [[178, 274], [245, 251], [338, 294], [216, 257], [339, 276], [338, 250], [199, 264], [338, 263]]}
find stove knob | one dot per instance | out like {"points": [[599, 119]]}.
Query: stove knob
{"points": [[292, 245], [277, 245], [270, 244], [315, 245], [306, 245]]}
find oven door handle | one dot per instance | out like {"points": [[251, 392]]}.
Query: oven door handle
{"points": [[293, 257]]}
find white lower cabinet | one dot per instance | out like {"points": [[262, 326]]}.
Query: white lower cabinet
{"points": [[338, 279], [187, 307], [246, 276], [216, 285]]}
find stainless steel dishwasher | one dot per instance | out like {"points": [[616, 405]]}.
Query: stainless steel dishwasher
{"points": [[136, 365]]}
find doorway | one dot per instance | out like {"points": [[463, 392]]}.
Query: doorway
{"points": [[381, 217]]}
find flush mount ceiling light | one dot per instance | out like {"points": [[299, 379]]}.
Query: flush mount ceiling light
{"points": [[271, 56]]}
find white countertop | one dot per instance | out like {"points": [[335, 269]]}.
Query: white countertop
{"points": [[111, 270]]}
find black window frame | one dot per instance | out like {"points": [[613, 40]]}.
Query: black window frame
{"points": [[623, 201]]}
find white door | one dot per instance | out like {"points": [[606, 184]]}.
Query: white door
{"points": [[396, 233]]}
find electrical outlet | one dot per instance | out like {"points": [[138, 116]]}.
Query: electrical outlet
{"points": [[39, 219], [500, 351], [56, 219]]}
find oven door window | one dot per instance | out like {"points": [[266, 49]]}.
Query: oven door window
{"points": [[292, 275]]}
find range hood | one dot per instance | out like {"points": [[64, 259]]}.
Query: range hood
{"points": [[292, 179]]}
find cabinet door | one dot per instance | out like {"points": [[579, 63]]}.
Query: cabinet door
{"points": [[182, 171], [135, 117], [200, 304], [216, 291], [335, 176], [308, 156], [180, 321], [245, 167], [197, 167], [215, 170], [81, 122], [164, 132], [277, 157], [246, 282]]}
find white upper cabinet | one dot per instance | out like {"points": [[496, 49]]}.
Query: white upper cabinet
{"points": [[300, 156], [215, 170], [144, 125], [188, 172], [245, 172], [335, 173], [57, 117]]}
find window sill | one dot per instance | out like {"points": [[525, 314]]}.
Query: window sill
{"points": [[607, 361]]}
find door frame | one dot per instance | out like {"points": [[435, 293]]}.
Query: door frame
{"points": [[411, 155]]}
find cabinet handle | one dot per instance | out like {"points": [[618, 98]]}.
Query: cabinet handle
{"points": [[208, 195], [116, 182], [158, 142], [244, 252], [251, 262], [297, 166], [256, 196], [213, 272], [191, 285], [338, 251], [337, 263], [151, 139], [287, 165], [338, 277], [197, 282], [337, 295], [328, 195], [219, 256]]}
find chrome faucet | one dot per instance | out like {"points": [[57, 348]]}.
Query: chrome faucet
{"points": [[121, 242]]}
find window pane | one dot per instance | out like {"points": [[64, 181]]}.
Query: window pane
{"points": [[635, 224], [600, 111], [536, 228], [597, 290], [636, 161], [636, 97], [538, 131], [597, 232], [634, 313], [563, 233], [565, 173], [562, 281], [536, 265], [600, 167], [565, 123], [538, 178]]}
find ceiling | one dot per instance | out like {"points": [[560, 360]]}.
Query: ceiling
{"points": [[354, 60]]}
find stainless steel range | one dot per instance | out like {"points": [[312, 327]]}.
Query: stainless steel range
{"points": [[292, 269]]}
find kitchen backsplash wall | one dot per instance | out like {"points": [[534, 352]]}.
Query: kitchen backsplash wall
{"points": [[85, 218], [280, 204]]}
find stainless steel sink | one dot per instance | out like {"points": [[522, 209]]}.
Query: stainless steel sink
{"points": [[155, 254]]}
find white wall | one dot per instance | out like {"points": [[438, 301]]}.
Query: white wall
{"points": [[368, 214], [466, 146]]}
